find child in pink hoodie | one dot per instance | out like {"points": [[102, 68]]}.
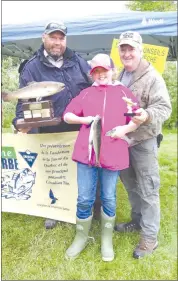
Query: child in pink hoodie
{"points": [[103, 98]]}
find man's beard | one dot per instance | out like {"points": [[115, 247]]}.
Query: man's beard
{"points": [[54, 56]]}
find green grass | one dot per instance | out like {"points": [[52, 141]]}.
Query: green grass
{"points": [[6, 130], [29, 252]]}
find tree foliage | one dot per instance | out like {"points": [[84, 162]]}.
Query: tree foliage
{"points": [[156, 6], [10, 82], [170, 77], [10, 76]]}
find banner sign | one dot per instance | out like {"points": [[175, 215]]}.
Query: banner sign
{"points": [[156, 55], [39, 176]]}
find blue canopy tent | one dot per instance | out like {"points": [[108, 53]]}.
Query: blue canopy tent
{"points": [[91, 35]]}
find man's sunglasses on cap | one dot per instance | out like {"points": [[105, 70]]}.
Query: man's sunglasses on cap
{"points": [[56, 26]]}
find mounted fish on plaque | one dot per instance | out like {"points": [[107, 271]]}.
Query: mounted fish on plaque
{"points": [[38, 113]]}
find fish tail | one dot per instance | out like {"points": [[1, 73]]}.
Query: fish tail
{"points": [[5, 96], [98, 164]]}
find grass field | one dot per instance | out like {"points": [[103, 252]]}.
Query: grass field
{"points": [[29, 252]]}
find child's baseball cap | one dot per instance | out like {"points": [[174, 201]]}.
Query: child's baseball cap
{"points": [[101, 60]]}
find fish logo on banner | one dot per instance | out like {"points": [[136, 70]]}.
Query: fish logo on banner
{"points": [[18, 185], [29, 157]]}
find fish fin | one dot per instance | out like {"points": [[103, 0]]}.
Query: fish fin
{"points": [[10, 188], [14, 177]]}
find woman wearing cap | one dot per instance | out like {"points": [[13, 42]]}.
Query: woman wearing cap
{"points": [[103, 98]]}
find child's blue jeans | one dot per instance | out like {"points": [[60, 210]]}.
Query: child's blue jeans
{"points": [[87, 178]]}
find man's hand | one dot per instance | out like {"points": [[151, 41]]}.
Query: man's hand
{"points": [[141, 118], [23, 130]]}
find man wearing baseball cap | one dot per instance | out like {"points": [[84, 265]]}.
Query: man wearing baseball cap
{"points": [[54, 61], [54, 40], [141, 179]]}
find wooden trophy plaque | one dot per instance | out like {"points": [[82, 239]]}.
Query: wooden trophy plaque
{"points": [[38, 114]]}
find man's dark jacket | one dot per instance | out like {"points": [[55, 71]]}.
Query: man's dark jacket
{"points": [[73, 73]]}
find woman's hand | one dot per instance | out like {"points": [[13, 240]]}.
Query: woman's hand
{"points": [[87, 120], [71, 118], [118, 132]]}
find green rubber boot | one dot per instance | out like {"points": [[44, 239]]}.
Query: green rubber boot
{"points": [[81, 238], [107, 226]]}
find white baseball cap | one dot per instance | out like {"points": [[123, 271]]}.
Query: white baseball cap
{"points": [[131, 38]]}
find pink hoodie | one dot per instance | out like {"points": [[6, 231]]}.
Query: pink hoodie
{"points": [[107, 102]]}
